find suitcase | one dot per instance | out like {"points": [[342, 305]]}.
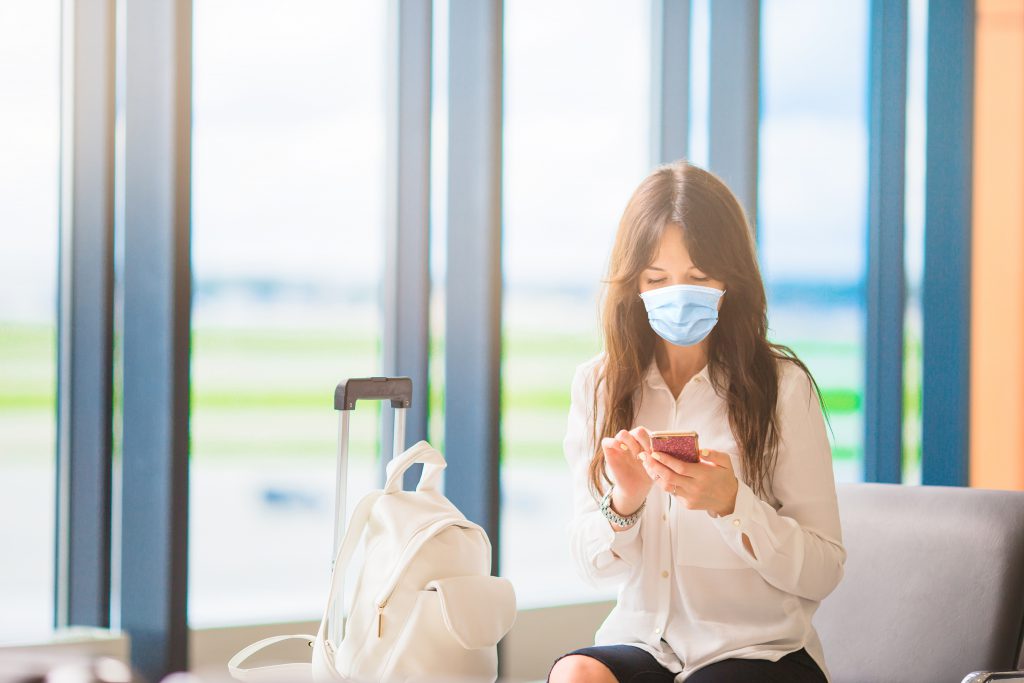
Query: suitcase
{"points": [[451, 613]]}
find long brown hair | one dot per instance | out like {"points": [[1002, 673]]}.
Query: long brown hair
{"points": [[742, 363]]}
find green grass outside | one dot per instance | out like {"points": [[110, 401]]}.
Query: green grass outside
{"points": [[262, 376]]}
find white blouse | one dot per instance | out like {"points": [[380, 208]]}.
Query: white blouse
{"points": [[689, 591]]}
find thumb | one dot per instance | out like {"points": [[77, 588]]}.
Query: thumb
{"points": [[717, 457]]}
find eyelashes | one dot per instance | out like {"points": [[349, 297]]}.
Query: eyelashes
{"points": [[660, 280]]}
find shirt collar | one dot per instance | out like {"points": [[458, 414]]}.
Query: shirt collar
{"points": [[654, 379]]}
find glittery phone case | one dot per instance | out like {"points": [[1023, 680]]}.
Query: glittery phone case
{"points": [[682, 445]]}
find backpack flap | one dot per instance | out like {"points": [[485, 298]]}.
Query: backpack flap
{"points": [[478, 610]]}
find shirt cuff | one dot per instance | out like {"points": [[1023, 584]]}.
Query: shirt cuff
{"points": [[740, 520], [625, 544], [625, 537]]}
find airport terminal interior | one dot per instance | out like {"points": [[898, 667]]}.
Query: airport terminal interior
{"points": [[217, 214]]}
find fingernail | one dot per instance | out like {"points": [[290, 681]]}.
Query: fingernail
{"points": [[656, 457], [642, 456]]}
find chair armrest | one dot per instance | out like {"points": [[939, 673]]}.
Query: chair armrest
{"points": [[990, 676]]}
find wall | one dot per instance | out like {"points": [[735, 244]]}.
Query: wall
{"points": [[997, 300]]}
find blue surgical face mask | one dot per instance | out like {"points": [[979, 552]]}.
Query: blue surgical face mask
{"points": [[682, 314]]}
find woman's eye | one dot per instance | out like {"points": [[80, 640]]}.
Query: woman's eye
{"points": [[654, 282], [700, 279]]}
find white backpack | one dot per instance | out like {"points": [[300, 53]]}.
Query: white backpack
{"points": [[425, 606]]}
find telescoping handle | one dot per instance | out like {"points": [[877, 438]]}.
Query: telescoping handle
{"points": [[398, 390]]}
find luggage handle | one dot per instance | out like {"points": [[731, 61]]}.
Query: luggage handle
{"points": [[396, 389]]}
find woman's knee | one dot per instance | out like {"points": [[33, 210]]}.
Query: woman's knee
{"points": [[580, 668]]}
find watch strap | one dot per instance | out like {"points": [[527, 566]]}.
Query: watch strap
{"points": [[614, 517]]}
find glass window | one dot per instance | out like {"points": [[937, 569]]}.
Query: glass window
{"points": [[29, 200], [813, 200], [914, 239], [288, 212], [576, 144], [438, 222]]}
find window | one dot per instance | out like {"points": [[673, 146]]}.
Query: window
{"points": [[813, 200], [288, 212], [576, 145], [917, 19], [29, 201]]}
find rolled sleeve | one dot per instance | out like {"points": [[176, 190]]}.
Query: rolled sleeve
{"points": [[798, 547]]}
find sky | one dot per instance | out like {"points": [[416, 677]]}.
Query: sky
{"points": [[289, 148]]}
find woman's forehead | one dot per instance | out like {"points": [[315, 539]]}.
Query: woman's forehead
{"points": [[671, 250]]}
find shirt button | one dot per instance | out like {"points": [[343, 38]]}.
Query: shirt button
{"points": [[735, 522], [657, 631], [663, 516], [664, 575]]}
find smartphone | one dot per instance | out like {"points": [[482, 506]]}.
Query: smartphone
{"points": [[682, 445]]}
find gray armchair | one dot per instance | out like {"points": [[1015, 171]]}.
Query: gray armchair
{"points": [[933, 587]]}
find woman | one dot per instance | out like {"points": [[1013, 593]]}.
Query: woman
{"points": [[720, 563]]}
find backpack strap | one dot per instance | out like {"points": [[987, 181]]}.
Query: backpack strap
{"points": [[421, 451], [360, 517], [304, 670], [282, 672]]}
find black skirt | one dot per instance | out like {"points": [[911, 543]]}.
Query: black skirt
{"points": [[631, 664]]}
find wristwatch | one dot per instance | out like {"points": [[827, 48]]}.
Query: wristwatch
{"points": [[614, 517]]}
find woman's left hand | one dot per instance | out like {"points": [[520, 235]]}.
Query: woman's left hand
{"points": [[709, 484]]}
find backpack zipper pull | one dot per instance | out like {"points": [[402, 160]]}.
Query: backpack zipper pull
{"points": [[380, 618]]}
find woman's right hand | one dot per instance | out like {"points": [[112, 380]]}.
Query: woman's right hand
{"points": [[622, 454]]}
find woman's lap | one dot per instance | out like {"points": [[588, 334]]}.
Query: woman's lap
{"points": [[631, 664], [627, 663], [795, 667]]}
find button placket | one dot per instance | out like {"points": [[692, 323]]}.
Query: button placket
{"points": [[665, 588]]}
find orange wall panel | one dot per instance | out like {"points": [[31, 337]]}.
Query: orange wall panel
{"points": [[997, 299]]}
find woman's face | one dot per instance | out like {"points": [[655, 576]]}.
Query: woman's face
{"points": [[672, 265]]}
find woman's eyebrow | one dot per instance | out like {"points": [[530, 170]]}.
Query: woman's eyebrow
{"points": [[654, 268]]}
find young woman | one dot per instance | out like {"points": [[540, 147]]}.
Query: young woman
{"points": [[720, 563]]}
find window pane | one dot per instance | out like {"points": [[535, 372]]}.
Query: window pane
{"points": [[576, 144], [288, 199], [813, 200], [914, 239], [438, 221], [29, 158]]}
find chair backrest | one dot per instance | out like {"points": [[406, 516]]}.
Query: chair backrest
{"points": [[933, 586]]}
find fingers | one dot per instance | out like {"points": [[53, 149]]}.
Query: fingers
{"points": [[668, 480], [717, 457], [611, 446], [620, 451], [644, 437], [631, 443], [680, 467]]}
